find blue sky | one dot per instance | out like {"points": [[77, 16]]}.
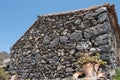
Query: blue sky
{"points": [[16, 16]]}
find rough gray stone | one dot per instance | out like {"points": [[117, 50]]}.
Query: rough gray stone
{"points": [[46, 40], [60, 67], [65, 32], [54, 43], [104, 48], [102, 17], [94, 50], [64, 39], [76, 36], [85, 24], [77, 55], [82, 46], [72, 51], [106, 57], [102, 40], [61, 52], [96, 30], [88, 15], [55, 59], [93, 22], [69, 69], [54, 34], [43, 61], [78, 21]]}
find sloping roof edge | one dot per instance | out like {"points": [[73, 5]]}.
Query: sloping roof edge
{"points": [[114, 21], [110, 8], [80, 10]]}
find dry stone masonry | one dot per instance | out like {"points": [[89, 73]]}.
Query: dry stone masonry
{"points": [[51, 47]]}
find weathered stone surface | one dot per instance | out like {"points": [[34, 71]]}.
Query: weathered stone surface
{"points": [[54, 43], [64, 39], [61, 52], [96, 30], [77, 54], [60, 67], [78, 21], [69, 69], [94, 50], [102, 17], [51, 47], [72, 52], [46, 40], [102, 40], [104, 48], [82, 46], [76, 36], [85, 24]]}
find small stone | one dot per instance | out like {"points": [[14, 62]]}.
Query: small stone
{"points": [[43, 61], [104, 48], [65, 32], [102, 17], [66, 62], [62, 60], [33, 63], [81, 46], [64, 39], [26, 53], [106, 57], [93, 22], [102, 40], [52, 20], [59, 25], [88, 15], [13, 72], [54, 34], [85, 24], [72, 51], [69, 76], [42, 34], [46, 40], [55, 59], [53, 26], [70, 57], [30, 37], [78, 21], [31, 75], [76, 35], [94, 50], [68, 69], [96, 30], [73, 60], [60, 67], [77, 54], [61, 52], [54, 43]]}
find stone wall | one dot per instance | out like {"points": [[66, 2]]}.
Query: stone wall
{"points": [[51, 47]]}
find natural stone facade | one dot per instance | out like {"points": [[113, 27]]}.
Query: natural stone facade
{"points": [[51, 47]]}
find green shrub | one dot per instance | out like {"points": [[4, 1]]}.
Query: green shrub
{"points": [[117, 74], [3, 75], [86, 58]]}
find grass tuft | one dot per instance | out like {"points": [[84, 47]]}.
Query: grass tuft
{"points": [[117, 75]]}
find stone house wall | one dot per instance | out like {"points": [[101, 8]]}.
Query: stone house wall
{"points": [[51, 47]]}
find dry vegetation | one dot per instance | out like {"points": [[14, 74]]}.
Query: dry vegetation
{"points": [[3, 75], [3, 55]]}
